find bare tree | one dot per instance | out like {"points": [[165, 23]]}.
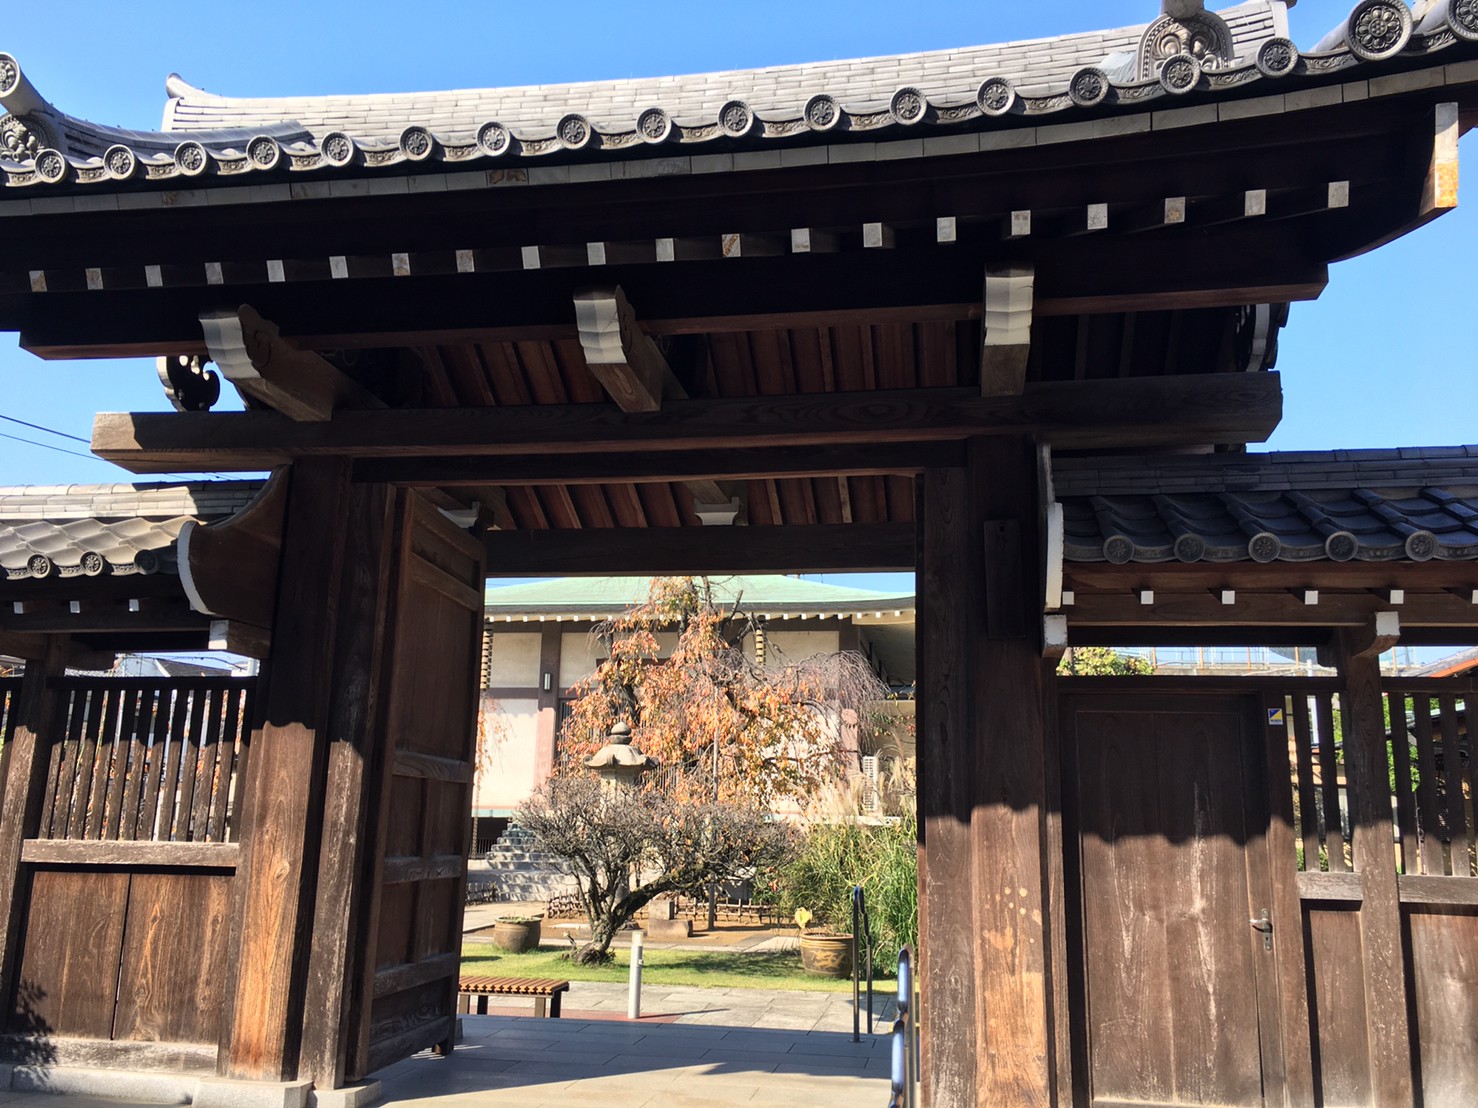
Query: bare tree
{"points": [[608, 836]]}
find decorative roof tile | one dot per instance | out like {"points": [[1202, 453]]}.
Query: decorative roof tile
{"points": [[1383, 506], [972, 88], [92, 530]]}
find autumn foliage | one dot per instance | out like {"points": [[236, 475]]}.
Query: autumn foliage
{"points": [[683, 669]]}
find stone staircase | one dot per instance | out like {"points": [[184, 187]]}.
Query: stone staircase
{"points": [[523, 872]]}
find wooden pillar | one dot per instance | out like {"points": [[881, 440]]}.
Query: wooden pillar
{"points": [[336, 953], [282, 810], [985, 920], [27, 759], [550, 646], [1382, 954]]}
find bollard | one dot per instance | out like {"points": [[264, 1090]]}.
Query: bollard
{"points": [[633, 997]]}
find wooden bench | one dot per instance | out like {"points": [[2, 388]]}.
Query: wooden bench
{"points": [[542, 989]]}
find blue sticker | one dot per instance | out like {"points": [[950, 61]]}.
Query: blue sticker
{"points": [[1275, 717]]}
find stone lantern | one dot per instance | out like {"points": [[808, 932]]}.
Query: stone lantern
{"points": [[616, 764]]}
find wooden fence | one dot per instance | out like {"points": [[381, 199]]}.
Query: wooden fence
{"points": [[1432, 919], [133, 848], [9, 687]]}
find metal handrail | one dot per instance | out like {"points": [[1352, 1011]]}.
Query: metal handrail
{"points": [[905, 1076], [861, 933]]}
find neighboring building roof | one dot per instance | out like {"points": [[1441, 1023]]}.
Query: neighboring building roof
{"points": [[600, 597], [91, 530], [1242, 50], [1363, 505], [1454, 664]]}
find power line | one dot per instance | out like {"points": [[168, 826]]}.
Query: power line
{"points": [[48, 446], [48, 430]]}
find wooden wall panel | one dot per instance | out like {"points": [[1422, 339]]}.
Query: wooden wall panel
{"points": [[1444, 968], [68, 973], [169, 984], [1342, 1072]]}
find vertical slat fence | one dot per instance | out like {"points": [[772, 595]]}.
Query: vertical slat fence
{"points": [[1434, 775], [1320, 790], [148, 759]]}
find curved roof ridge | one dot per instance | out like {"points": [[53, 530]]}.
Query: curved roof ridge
{"points": [[944, 76]]}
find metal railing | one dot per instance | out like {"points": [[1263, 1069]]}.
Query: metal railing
{"points": [[905, 1038], [861, 944]]}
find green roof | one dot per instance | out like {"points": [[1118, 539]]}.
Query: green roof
{"points": [[768, 593]]}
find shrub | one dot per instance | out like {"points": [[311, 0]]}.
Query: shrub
{"points": [[883, 859]]}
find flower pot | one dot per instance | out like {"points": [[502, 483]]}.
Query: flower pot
{"points": [[516, 936], [826, 955]]}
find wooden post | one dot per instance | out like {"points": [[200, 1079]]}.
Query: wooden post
{"points": [[336, 956], [1009, 741], [282, 809], [985, 923], [949, 595], [27, 755], [1383, 957]]}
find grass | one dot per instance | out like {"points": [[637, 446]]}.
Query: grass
{"points": [[719, 969]]}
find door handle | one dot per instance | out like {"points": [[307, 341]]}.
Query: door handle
{"points": [[1264, 924]]}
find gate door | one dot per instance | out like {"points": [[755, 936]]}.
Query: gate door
{"points": [[1172, 967]]}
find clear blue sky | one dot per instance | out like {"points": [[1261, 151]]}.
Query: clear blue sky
{"points": [[1385, 358]]}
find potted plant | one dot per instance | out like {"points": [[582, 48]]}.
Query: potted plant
{"points": [[517, 934], [824, 953]]}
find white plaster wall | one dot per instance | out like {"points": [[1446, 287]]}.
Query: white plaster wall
{"points": [[797, 646], [580, 654], [506, 771], [513, 658]]}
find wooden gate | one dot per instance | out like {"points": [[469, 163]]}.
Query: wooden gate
{"points": [[406, 998], [1165, 827], [126, 870]]}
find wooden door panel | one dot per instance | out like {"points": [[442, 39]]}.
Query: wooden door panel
{"points": [[1163, 811]]}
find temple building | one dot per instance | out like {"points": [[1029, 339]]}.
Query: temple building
{"points": [[1004, 316]]}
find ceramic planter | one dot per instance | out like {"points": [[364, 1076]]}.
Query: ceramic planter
{"points": [[516, 936], [826, 955]]}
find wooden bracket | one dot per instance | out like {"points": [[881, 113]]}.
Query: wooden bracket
{"points": [[253, 356], [1376, 637], [625, 361], [229, 568], [1009, 295], [1054, 637]]}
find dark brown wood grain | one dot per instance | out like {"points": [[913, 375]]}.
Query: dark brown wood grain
{"points": [[1338, 1002], [170, 981], [947, 623], [1444, 964], [1381, 950], [68, 973], [69, 852], [37, 722], [273, 890]]}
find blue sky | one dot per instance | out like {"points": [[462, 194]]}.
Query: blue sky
{"points": [[1385, 358]]}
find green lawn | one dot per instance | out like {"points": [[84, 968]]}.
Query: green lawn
{"points": [[722, 969]]}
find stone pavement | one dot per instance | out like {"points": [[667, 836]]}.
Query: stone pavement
{"points": [[573, 1062]]}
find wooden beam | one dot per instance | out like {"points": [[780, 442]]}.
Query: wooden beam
{"points": [[1459, 579], [229, 568], [818, 548], [1189, 410], [253, 356], [1007, 329], [1259, 610], [626, 362], [693, 467], [1439, 191]]}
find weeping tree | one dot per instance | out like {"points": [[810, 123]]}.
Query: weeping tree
{"points": [[678, 846], [725, 718]]}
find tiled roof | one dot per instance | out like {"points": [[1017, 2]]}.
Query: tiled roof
{"points": [[92, 530], [1367, 505], [1237, 50], [602, 596]]}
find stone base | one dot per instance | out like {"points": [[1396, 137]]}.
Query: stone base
{"points": [[669, 928], [218, 1092], [350, 1096], [163, 1088]]}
